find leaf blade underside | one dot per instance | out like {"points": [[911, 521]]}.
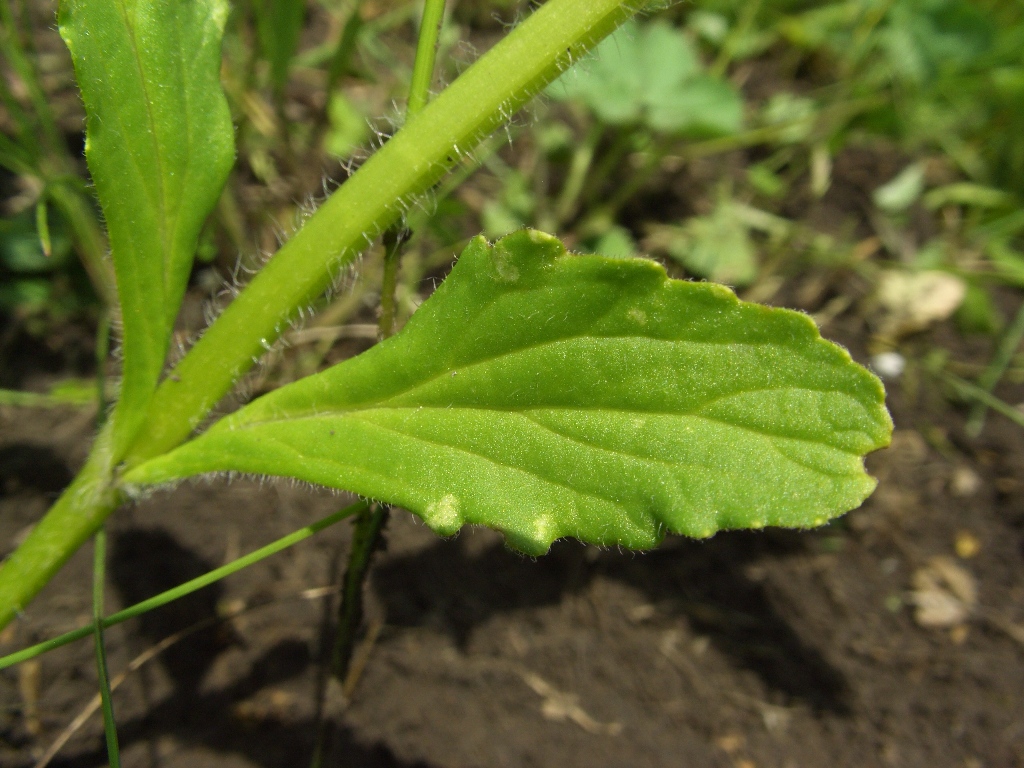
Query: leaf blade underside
{"points": [[548, 395]]}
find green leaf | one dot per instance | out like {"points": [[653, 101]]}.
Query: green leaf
{"points": [[349, 129], [902, 191], [651, 74], [717, 246], [547, 395], [159, 144]]}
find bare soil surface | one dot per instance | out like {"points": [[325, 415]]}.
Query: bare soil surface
{"points": [[774, 648]]}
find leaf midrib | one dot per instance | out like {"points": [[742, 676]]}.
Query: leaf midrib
{"points": [[695, 414], [452, 368], [157, 158]]}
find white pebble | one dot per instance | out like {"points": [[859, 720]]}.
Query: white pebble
{"points": [[889, 365]]}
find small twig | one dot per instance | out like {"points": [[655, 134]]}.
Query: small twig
{"points": [[361, 658], [394, 240], [333, 333]]}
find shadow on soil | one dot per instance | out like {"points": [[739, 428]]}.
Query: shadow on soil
{"points": [[453, 589], [145, 562], [450, 589], [24, 466]]}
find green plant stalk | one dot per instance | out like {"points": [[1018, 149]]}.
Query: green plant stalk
{"points": [[12, 157], [98, 577], [342, 56], [20, 399], [77, 515], [188, 587], [338, 65], [370, 524], [419, 94], [394, 239], [426, 53], [582, 159], [970, 391], [743, 26], [992, 374], [375, 197], [365, 538], [89, 239], [43, 227], [10, 47]]}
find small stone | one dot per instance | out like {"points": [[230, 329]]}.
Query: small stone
{"points": [[945, 594], [641, 613], [889, 365], [730, 743], [964, 482], [966, 545]]}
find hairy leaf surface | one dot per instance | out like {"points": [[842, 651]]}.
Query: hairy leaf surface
{"points": [[546, 395], [159, 144]]}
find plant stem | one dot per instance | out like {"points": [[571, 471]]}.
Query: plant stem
{"points": [[10, 47], [340, 63], [88, 236], [397, 235], [744, 24], [1008, 345], [98, 577], [188, 587], [394, 239], [426, 53], [370, 524], [970, 391], [365, 538], [71, 521], [582, 159]]}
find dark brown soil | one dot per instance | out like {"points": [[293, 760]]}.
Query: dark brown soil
{"points": [[752, 649]]}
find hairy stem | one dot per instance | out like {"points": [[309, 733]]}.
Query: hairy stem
{"points": [[370, 524], [374, 198], [76, 516]]}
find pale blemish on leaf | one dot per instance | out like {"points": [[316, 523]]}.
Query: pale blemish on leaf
{"points": [[443, 515]]}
